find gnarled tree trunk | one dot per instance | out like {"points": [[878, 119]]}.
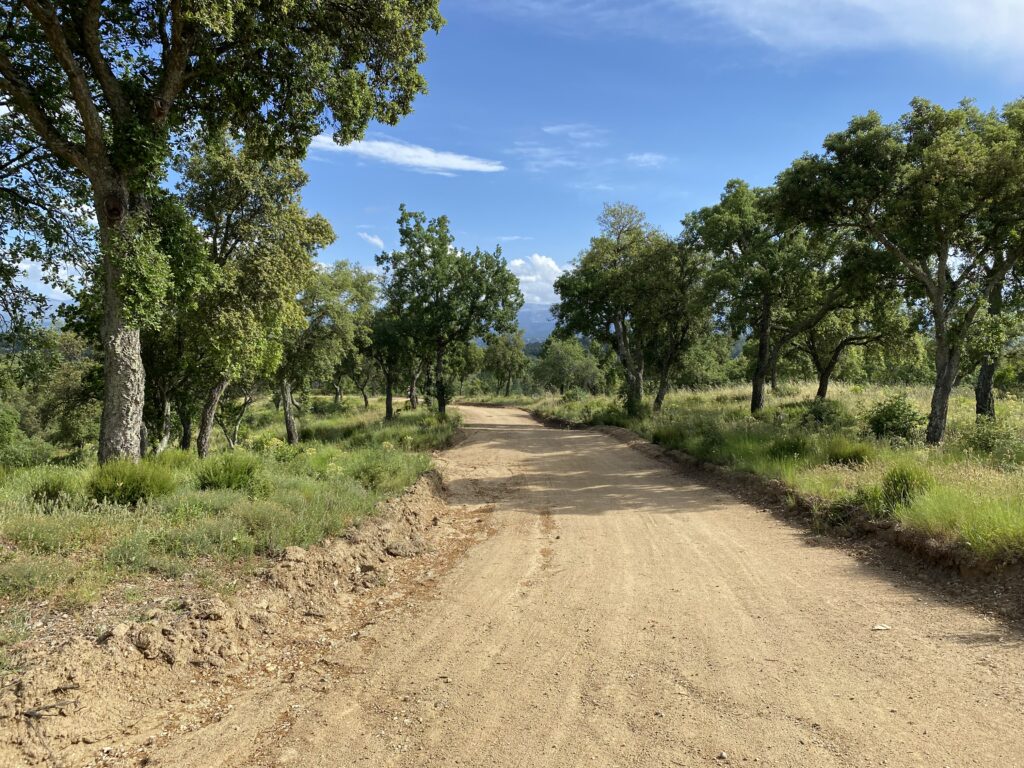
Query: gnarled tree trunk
{"points": [[947, 366], [291, 426], [984, 396], [763, 362], [208, 417], [124, 379], [185, 417], [439, 385], [389, 397]]}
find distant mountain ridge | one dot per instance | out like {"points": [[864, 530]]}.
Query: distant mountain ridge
{"points": [[536, 321]]}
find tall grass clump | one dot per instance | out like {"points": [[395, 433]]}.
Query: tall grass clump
{"points": [[127, 483], [235, 470], [902, 484]]}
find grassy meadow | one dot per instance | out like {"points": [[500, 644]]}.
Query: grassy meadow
{"points": [[70, 531], [849, 453]]}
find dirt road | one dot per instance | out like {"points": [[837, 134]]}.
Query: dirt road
{"points": [[623, 615]]}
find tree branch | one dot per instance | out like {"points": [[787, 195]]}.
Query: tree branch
{"points": [[25, 99], [111, 86], [175, 61], [913, 267], [92, 123]]}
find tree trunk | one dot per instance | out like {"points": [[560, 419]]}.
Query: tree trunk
{"points": [[984, 397], [208, 417], [414, 400], [124, 379], [508, 386], [439, 387], [337, 394], [389, 397], [763, 362], [659, 398], [947, 366], [824, 377], [366, 398], [165, 427], [185, 417], [291, 427]]}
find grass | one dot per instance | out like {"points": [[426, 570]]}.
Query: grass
{"points": [[67, 533], [968, 493]]}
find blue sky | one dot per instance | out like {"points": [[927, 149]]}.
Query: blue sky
{"points": [[539, 112]]}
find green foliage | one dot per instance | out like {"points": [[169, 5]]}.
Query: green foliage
{"points": [[127, 483], [637, 292], [235, 470], [844, 451], [829, 414], [57, 486], [788, 446], [895, 418], [902, 484], [63, 545], [567, 366], [437, 295], [144, 272], [993, 438], [16, 448]]}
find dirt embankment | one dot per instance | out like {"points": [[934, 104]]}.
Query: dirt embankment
{"points": [[114, 697]]}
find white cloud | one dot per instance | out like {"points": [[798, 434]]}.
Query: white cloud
{"points": [[373, 240], [584, 134], [541, 157], [646, 159], [979, 27], [413, 156], [513, 238], [537, 275]]}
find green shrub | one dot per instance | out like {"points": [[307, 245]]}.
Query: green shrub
{"points": [[842, 450], [126, 483], [903, 483], [788, 447], [274, 447], [57, 486], [989, 437], [324, 407], [830, 414], [895, 417], [175, 458], [234, 470], [574, 395]]}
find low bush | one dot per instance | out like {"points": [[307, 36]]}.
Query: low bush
{"points": [[235, 470], [326, 407], [895, 417], [842, 450], [788, 447], [126, 483], [57, 486], [992, 438], [902, 484], [829, 414]]}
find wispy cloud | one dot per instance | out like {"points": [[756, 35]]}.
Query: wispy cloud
{"points": [[513, 238], [992, 28], [583, 134], [537, 276], [373, 240], [412, 156], [646, 159], [538, 157]]}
